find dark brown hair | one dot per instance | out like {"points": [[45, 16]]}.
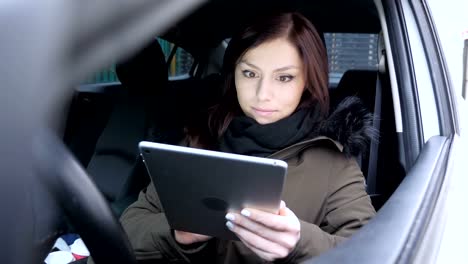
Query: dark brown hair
{"points": [[310, 46]]}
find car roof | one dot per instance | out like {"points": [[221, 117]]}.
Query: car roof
{"points": [[219, 19]]}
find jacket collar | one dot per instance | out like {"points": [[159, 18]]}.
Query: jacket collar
{"points": [[298, 147], [348, 128]]}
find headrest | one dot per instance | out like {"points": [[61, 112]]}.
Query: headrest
{"points": [[360, 83], [146, 71], [355, 79]]}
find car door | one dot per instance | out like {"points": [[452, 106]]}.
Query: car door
{"points": [[450, 23], [413, 226]]}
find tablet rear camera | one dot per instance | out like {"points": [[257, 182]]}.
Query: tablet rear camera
{"points": [[215, 204]]}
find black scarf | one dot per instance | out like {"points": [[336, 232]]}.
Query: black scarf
{"points": [[245, 136]]}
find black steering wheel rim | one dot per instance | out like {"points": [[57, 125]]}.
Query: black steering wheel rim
{"points": [[46, 49], [80, 201]]}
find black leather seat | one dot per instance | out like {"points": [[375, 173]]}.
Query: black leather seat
{"points": [[360, 83], [115, 165]]}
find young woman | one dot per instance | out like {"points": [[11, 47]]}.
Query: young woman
{"points": [[275, 105]]}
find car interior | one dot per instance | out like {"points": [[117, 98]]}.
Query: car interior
{"points": [[107, 119]]}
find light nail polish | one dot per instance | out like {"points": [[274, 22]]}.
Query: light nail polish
{"points": [[245, 212], [230, 217], [229, 225]]}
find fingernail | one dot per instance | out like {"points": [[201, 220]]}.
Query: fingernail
{"points": [[229, 225], [245, 212], [282, 204], [230, 216]]}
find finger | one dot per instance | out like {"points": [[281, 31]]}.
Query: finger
{"points": [[273, 221], [282, 210], [258, 242], [292, 218], [285, 239], [290, 214], [262, 254]]}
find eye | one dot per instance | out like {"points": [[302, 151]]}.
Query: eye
{"points": [[285, 78], [249, 74]]}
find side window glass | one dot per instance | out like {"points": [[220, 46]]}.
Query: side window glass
{"points": [[180, 63], [350, 51], [178, 68], [107, 75]]}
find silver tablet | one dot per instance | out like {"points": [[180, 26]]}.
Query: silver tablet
{"points": [[197, 187]]}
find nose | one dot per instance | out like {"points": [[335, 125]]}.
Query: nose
{"points": [[264, 90]]}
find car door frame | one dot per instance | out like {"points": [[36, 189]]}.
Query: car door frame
{"points": [[404, 228]]}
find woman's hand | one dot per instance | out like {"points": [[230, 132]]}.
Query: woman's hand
{"points": [[187, 238], [270, 236]]}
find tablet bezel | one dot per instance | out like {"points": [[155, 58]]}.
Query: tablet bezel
{"points": [[245, 181]]}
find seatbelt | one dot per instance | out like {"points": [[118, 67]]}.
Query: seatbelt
{"points": [[374, 148]]}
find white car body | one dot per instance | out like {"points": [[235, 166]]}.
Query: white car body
{"points": [[450, 19]]}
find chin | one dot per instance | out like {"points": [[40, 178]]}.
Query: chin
{"points": [[265, 121]]}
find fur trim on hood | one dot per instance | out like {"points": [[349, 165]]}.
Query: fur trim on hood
{"points": [[351, 125]]}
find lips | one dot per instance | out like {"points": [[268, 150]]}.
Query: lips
{"points": [[263, 112]]}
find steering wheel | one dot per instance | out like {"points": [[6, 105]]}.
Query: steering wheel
{"points": [[48, 48], [80, 201]]}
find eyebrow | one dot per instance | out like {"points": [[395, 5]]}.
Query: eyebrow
{"points": [[277, 70]]}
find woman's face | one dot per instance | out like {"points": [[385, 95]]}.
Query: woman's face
{"points": [[270, 81]]}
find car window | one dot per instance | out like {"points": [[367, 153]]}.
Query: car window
{"points": [[180, 63], [350, 51], [107, 75], [178, 68]]}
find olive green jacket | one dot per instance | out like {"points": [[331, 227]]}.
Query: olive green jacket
{"points": [[324, 188]]}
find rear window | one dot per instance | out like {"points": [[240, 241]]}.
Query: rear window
{"points": [[178, 68], [350, 51], [181, 63]]}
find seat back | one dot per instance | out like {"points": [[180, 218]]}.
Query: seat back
{"points": [[379, 163], [362, 84], [116, 155]]}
